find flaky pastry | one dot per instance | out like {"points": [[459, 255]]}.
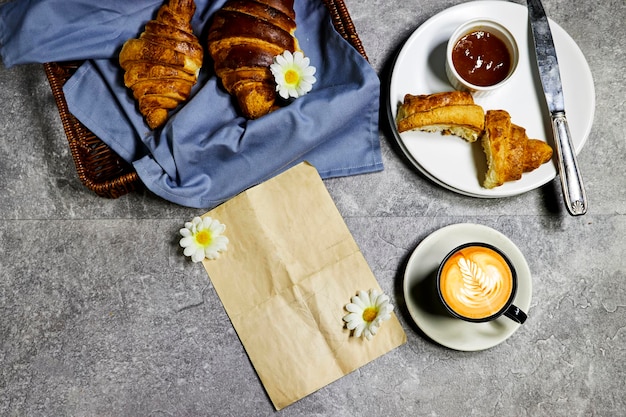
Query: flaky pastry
{"points": [[508, 149], [451, 113]]}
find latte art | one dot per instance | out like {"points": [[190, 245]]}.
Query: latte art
{"points": [[476, 282]]}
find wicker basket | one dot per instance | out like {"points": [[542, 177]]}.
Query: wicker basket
{"points": [[98, 167]]}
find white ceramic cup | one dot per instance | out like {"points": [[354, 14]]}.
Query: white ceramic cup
{"points": [[496, 29]]}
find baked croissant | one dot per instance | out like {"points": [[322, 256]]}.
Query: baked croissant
{"points": [[162, 65], [243, 40], [452, 112], [509, 151]]}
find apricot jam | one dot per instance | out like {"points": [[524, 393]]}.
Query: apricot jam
{"points": [[481, 58]]}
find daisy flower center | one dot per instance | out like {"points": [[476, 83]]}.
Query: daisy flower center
{"points": [[203, 237], [369, 314], [291, 76], [366, 312]]}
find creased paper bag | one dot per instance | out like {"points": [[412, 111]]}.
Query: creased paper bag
{"points": [[290, 268]]}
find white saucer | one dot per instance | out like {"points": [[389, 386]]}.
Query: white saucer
{"points": [[450, 161], [424, 305]]}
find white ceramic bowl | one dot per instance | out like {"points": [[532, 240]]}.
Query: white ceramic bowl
{"points": [[496, 29]]}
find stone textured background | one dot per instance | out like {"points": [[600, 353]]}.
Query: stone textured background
{"points": [[101, 315]]}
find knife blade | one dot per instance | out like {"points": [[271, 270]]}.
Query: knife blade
{"points": [[548, 65]]}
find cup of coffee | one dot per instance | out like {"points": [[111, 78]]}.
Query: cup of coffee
{"points": [[476, 282]]}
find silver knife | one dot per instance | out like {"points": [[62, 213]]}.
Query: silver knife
{"points": [[571, 180]]}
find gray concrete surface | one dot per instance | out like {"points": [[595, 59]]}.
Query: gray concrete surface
{"points": [[101, 315]]}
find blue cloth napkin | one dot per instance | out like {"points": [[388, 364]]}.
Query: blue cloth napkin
{"points": [[207, 152]]}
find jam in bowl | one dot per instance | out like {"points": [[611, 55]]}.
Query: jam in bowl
{"points": [[481, 56]]}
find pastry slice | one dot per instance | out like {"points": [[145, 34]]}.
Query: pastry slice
{"points": [[451, 113], [536, 153], [508, 150]]}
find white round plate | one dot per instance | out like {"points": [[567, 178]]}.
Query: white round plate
{"points": [[449, 160], [423, 302]]}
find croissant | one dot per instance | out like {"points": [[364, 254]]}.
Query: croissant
{"points": [[509, 151], [162, 65], [243, 40], [452, 112]]}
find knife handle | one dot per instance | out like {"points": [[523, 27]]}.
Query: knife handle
{"points": [[571, 180]]}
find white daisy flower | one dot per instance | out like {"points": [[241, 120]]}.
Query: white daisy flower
{"points": [[293, 74], [202, 238], [366, 312]]}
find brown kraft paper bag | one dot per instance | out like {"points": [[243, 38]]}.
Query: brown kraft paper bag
{"points": [[290, 268]]}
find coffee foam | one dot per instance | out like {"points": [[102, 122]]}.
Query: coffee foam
{"points": [[476, 282]]}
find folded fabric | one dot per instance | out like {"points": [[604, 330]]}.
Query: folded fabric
{"points": [[38, 31], [207, 152]]}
